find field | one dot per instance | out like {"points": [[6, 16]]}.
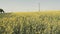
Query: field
{"points": [[30, 23]]}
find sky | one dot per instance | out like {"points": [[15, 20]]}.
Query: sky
{"points": [[29, 5]]}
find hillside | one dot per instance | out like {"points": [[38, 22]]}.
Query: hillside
{"points": [[30, 23]]}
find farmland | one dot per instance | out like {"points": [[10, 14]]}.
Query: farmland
{"points": [[30, 23]]}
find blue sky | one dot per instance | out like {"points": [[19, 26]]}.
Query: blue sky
{"points": [[29, 5]]}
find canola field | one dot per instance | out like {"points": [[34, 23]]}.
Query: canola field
{"points": [[30, 23]]}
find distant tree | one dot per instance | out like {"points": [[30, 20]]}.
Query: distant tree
{"points": [[1, 11]]}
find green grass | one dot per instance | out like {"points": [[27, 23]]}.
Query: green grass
{"points": [[30, 23]]}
